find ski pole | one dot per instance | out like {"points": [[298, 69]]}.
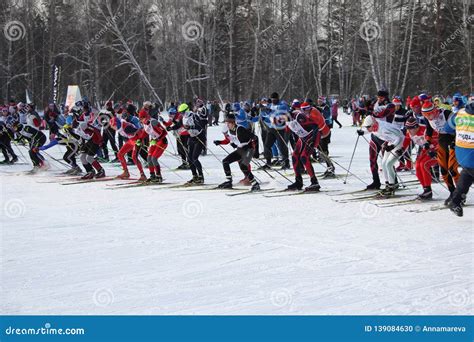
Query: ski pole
{"points": [[21, 153], [342, 167], [352, 157], [56, 160], [278, 172], [220, 161]]}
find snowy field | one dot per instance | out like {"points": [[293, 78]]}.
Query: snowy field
{"points": [[87, 249]]}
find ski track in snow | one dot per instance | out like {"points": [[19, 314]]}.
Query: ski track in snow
{"points": [[84, 249]]}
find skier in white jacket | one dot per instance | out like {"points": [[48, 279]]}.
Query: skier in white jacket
{"points": [[392, 149]]}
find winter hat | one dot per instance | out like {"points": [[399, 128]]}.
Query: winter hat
{"points": [[305, 106], [470, 108], [368, 121], [411, 123], [172, 111], [382, 93], [236, 106], [427, 108], [143, 115], [396, 101], [131, 108], [424, 97], [274, 95], [296, 103], [458, 98], [415, 102]]}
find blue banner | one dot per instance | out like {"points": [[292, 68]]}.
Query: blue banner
{"points": [[237, 328]]}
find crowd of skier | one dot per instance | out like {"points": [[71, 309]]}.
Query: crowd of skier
{"points": [[441, 131]]}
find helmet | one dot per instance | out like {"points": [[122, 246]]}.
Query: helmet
{"points": [[183, 107]]}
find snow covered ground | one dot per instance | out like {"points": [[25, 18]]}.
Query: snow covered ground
{"points": [[86, 249]]}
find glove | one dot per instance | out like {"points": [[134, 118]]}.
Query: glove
{"points": [[217, 142], [426, 146], [152, 142], [168, 128], [138, 142], [389, 147], [35, 149], [360, 132], [432, 153]]}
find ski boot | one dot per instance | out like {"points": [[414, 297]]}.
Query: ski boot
{"points": [[456, 209], [183, 166], [89, 175], [285, 165], [426, 195], [152, 178], [158, 179], [297, 185], [375, 185], [123, 175], [75, 171], [389, 191], [100, 174], [314, 187], [255, 185], [226, 185], [200, 180], [142, 178], [265, 167], [448, 201], [193, 180], [14, 160], [329, 173]]}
